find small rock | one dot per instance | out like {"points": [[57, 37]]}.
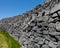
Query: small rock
{"points": [[45, 18], [52, 25], [51, 29], [45, 46], [46, 42], [52, 45], [45, 32], [58, 37], [35, 28], [41, 41], [32, 24], [40, 18], [58, 44], [58, 26], [54, 33], [36, 46], [54, 15], [50, 20]]}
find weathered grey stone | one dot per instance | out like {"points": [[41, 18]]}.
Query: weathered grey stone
{"points": [[52, 29], [36, 46], [58, 44], [47, 1], [52, 45], [50, 20], [41, 41], [52, 25], [38, 24], [45, 32], [47, 12], [54, 33], [58, 37], [39, 18], [32, 24], [55, 8], [45, 18], [59, 12], [46, 42], [44, 24], [45, 46], [35, 28], [58, 26], [54, 15]]}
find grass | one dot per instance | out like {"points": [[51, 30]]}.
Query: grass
{"points": [[6, 41]]}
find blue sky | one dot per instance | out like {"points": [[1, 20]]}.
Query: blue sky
{"points": [[9, 8]]}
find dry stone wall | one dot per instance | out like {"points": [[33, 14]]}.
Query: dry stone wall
{"points": [[38, 28]]}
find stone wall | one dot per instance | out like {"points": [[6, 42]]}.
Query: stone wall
{"points": [[37, 28]]}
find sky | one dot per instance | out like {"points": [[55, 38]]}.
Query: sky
{"points": [[9, 8]]}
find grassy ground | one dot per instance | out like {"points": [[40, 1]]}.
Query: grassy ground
{"points": [[7, 41]]}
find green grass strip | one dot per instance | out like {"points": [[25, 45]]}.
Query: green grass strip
{"points": [[6, 41]]}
